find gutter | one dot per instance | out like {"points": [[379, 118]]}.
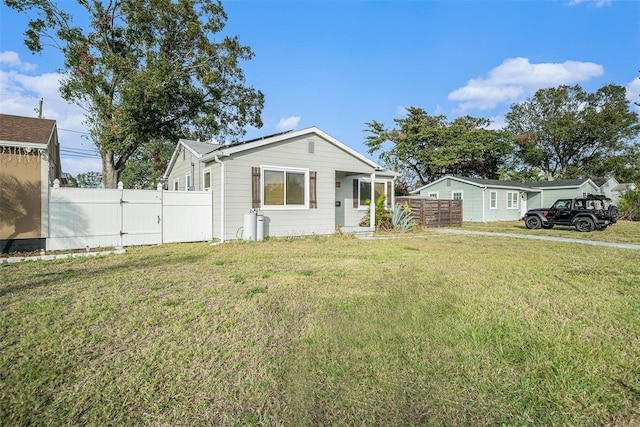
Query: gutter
{"points": [[483, 205], [222, 195]]}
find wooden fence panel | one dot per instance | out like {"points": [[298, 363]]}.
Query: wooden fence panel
{"points": [[433, 212]]}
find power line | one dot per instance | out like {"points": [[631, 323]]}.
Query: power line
{"points": [[80, 150], [74, 131]]}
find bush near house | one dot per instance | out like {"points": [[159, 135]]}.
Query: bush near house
{"points": [[630, 204], [396, 220]]}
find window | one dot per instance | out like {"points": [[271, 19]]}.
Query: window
{"points": [[187, 180], [433, 195], [206, 180], [285, 187], [456, 195], [364, 191], [176, 184], [512, 200], [493, 200]]}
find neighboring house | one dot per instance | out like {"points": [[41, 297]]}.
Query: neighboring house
{"points": [[302, 182], [611, 188], [495, 200], [29, 162], [564, 189], [484, 199]]}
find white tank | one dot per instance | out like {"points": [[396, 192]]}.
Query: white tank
{"points": [[249, 226], [259, 227]]}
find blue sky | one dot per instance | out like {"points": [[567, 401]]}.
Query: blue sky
{"points": [[339, 64]]}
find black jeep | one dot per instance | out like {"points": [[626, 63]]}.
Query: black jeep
{"points": [[588, 213]]}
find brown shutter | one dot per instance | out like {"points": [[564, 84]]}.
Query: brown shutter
{"points": [[255, 187], [389, 194], [313, 202], [355, 193]]}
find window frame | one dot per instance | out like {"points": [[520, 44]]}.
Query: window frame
{"points": [[284, 170], [510, 200], [187, 181], [204, 174], [362, 207], [454, 192], [493, 199], [433, 194], [176, 184]]}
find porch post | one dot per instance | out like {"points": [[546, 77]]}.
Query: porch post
{"points": [[372, 206]]}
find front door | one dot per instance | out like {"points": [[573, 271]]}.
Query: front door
{"points": [[523, 204]]}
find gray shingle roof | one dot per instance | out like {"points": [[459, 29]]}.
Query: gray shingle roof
{"points": [[496, 182], [558, 183], [200, 148], [26, 129]]}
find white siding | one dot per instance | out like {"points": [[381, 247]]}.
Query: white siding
{"points": [[326, 159]]}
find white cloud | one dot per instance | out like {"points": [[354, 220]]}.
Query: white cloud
{"points": [[401, 110], [633, 93], [288, 123], [517, 78], [20, 95], [599, 3], [12, 59], [497, 122]]}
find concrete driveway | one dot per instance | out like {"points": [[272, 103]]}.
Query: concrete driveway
{"points": [[532, 237]]}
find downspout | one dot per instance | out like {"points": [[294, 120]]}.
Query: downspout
{"points": [[393, 192], [483, 206], [222, 187], [372, 206]]}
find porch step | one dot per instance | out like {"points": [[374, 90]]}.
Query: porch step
{"points": [[360, 232]]}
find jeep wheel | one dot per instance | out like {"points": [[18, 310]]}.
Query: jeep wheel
{"points": [[532, 222], [547, 226], [613, 214], [585, 225]]}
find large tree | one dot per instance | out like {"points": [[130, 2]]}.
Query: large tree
{"points": [[147, 165], [147, 70], [565, 132], [424, 147]]}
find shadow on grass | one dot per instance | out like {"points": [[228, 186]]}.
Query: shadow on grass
{"points": [[121, 265]]}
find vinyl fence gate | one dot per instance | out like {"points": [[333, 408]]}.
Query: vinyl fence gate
{"points": [[88, 217]]}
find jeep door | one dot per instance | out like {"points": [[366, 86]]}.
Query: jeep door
{"points": [[560, 212]]}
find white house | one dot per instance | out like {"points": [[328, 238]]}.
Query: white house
{"points": [[301, 182]]}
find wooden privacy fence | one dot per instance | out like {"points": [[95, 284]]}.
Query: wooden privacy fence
{"points": [[433, 212]]}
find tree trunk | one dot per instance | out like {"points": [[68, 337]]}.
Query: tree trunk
{"points": [[110, 175]]}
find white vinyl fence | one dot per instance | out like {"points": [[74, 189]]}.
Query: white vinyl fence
{"points": [[95, 217]]}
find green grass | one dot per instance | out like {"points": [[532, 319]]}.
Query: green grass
{"points": [[437, 330]]}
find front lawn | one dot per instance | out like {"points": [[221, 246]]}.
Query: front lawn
{"points": [[452, 330]]}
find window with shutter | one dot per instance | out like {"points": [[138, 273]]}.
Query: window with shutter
{"points": [[313, 202], [255, 188], [283, 188]]}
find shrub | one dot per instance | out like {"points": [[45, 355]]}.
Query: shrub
{"points": [[630, 205], [398, 219], [401, 221], [383, 216]]}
